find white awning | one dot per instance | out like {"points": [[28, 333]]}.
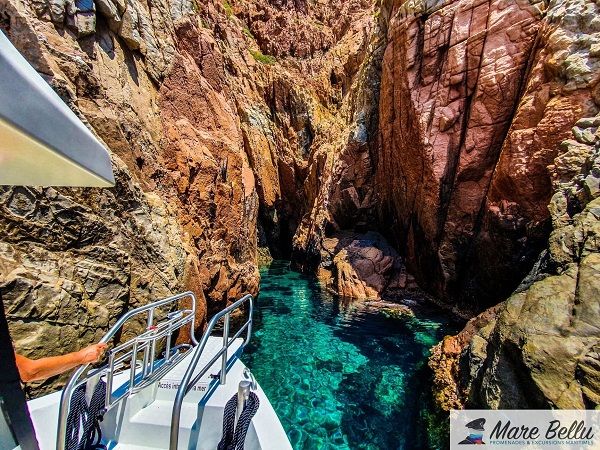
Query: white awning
{"points": [[42, 142]]}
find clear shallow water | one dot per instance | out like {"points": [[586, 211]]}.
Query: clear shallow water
{"points": [[339, 375]]}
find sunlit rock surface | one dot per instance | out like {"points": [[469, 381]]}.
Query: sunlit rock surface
{"points": [[356, 137], [221, 137], [453, 73], [539, 348], [361, 266]]}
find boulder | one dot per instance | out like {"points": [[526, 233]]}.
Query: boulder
{"points": [[361, 266]]}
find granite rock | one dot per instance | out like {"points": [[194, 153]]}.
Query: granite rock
{"points": [[361, 266], [476, 98], [538, 348]]}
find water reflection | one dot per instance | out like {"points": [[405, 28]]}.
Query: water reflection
{"points": [[339, 374]]}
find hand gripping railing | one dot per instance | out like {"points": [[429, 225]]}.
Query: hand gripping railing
{"points": [[145, 342], [186, 382]]}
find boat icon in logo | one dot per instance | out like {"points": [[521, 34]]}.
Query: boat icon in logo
{"points": [[475, 436]]}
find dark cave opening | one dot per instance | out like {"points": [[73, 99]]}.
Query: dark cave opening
{"points": [[276, 230]]}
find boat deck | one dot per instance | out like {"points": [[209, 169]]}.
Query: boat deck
{"points": [[142, 422]]}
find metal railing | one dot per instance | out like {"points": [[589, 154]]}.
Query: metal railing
{"points": [[127, 352], [187, 383]]}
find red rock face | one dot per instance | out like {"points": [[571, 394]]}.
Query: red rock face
{"points": [[452, 78], [205, 161], [299, 28], [536, 349], [515, 221]]}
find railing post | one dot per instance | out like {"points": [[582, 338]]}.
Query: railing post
{"points": [[168, 348], [133, 364], [186, 381], [146, 349], [224, 357]]}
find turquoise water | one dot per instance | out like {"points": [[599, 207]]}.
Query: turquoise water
{"points": [[340, 375]]}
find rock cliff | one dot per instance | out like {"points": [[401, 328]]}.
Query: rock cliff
{"points": [[452, 77], [539, 348], [221, 128], [241, 130]]}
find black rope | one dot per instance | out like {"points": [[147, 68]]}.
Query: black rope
{"points": [[234, 439], [86, 418]]}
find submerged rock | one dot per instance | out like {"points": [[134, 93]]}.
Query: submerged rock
{"points": [[396, 312]]}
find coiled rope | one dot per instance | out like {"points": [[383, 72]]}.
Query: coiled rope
{"points": [[234, 439], [86, 418]]}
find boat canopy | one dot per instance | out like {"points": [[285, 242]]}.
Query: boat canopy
{"points": [[42, 142]]}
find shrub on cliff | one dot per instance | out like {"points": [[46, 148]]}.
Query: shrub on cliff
{"points": [[262, 58]]}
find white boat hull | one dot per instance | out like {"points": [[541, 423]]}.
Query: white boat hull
{"points": [[142, 421]]}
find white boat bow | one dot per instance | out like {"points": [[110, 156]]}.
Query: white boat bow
{"points": [[140, 408]]}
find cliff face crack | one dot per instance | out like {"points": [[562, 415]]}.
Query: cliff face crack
{"points": [[465, 270], [464, 70], [471, 90]]}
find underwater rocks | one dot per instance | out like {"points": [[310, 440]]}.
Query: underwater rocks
{"points": [[539, 349]]}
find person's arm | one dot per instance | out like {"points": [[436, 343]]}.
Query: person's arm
{"points": [[40, 369]]}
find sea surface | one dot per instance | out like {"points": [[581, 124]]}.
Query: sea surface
{"points": [[342, 375]]}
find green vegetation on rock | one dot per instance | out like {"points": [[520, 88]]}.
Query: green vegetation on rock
{"points": [[228, 8], [262, 58], [247, 32]]}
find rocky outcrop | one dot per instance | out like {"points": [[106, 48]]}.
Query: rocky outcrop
{"points": [[340, 185], [559, 91], [362, 266], [299, 28], [187, 150], [538, 348], [74, 260], [145, 27]]}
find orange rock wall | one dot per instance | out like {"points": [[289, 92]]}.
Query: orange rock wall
{"points": [[468, 127]]}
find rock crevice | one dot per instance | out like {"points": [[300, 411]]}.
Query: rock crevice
{"points": [[242, 131]]}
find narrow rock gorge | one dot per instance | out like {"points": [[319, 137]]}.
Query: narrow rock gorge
{"points": [[383, 145]]}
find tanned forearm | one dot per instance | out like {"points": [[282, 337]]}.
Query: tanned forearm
{"points": [[40, 369]]}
